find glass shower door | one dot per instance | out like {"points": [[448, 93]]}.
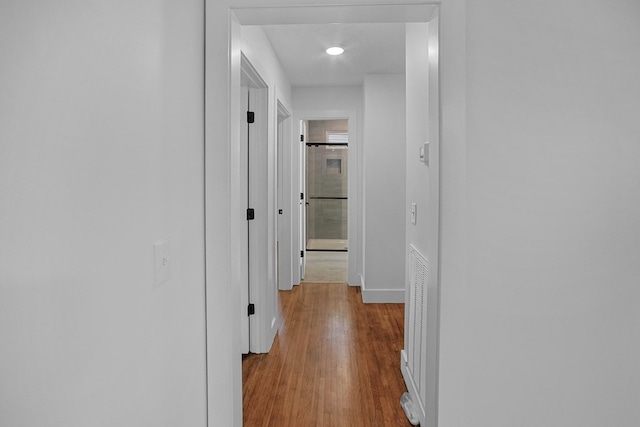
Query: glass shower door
{"points": [[327, 198]]}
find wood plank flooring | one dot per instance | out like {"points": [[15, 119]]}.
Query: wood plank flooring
{"points": [[335, 362]]}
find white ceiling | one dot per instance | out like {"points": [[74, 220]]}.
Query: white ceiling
{"points": [[369, 49]]}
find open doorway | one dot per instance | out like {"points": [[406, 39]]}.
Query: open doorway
{"points": [[327, 200], [308, 15]]}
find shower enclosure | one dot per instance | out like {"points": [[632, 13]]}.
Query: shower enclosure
{"points": [[327, 184]]}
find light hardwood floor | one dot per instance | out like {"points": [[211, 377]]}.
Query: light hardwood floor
{"points": [[335, 362]]}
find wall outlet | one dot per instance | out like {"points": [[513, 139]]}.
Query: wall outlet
{"points": [[161, 262], [414, 213]]}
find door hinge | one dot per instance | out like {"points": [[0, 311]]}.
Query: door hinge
{"points": [[301, 138], [251, 214], [251, 117], [251, 310], [301, 254], [279, 211], [301, 196]]}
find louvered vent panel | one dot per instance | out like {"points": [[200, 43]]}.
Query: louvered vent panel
{"points": [[417, 327]]}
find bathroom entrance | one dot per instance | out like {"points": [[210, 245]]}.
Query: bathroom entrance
{"points": [[326, 178]]}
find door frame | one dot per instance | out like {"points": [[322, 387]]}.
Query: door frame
{"points": [[262, 238], [425, 382], [222, 292], [302, 202], [254, 189], [355, 224], [284, 193]]}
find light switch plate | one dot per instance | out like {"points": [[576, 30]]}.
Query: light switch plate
{"points": [[414, 213], [161, 262], [424, 153]]}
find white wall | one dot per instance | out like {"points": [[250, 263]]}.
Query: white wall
{"points": [[384, 151], [322, 102], [423, 190], [256, 46], [417, 133], [328, 98], [101, 145], [551, 316]]}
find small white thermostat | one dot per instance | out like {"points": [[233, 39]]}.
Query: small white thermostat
{"points": [[424, 153]]}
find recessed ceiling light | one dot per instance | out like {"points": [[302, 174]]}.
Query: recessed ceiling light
{"points": [[335, 50]]}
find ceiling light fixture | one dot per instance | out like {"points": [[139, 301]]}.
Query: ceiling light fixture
{"points": [[335, 50]]}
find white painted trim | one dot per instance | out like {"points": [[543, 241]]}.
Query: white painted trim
{"points": [[222, 59], [302, 207], [241, 261], [358, 282], [327, 14], [285, 193], [433, 252], [258, 247], [382, 296], [260, 251], [222, 291]]}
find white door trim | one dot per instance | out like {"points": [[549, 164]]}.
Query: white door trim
{"points": [[262, 192], [355, 242], [222, 293], [285, 193]]}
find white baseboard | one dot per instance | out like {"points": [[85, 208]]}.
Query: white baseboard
{"points": [[355, 282], [382, 295], [358, 282]]}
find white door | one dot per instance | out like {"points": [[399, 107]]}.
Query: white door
{"points": [[303, 197], [258, 187], [244, 189], [283, 190]]}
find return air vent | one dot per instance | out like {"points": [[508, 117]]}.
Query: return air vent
{"points": [[415, 353]]}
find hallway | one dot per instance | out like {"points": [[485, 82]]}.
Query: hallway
{"points": [[334, 362]]}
